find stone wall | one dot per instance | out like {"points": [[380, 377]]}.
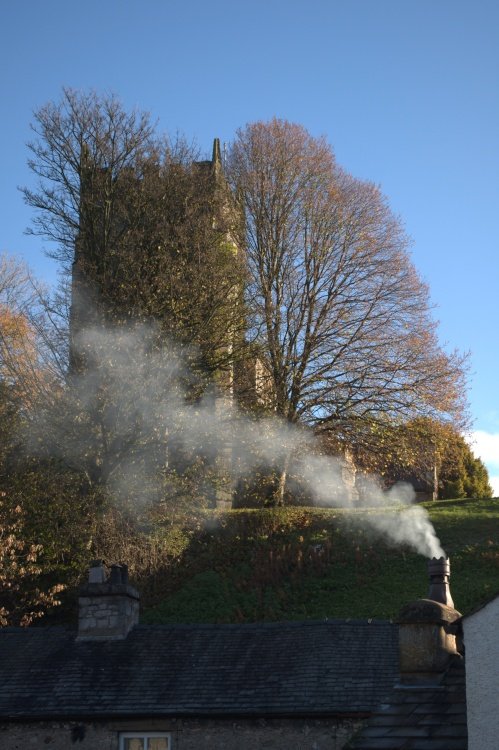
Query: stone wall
{"points": [[106, 617], [107, 610], [231, 734]]}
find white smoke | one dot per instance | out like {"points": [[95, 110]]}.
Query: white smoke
{"points": [[136, 390], [391, 514]]}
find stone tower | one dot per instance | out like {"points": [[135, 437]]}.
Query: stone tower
{"points": [[228, 218], [101, 210]]}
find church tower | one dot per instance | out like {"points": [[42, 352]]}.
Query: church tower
{"points": [[107, 203]]}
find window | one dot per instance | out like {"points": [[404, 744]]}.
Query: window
{"points": [[144, 741]]}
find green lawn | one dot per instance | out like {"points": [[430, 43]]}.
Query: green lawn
{"points": [[305, 563]]}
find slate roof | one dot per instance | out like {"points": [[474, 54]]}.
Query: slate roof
{"points": [[421, 718], [280, 669]]}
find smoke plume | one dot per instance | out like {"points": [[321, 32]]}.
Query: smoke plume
{"points": [[136, 403]]}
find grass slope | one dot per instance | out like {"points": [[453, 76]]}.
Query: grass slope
{"points": [[306, 563]]}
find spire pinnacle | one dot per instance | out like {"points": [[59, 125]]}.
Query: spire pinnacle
{"points": [[216, 158]]}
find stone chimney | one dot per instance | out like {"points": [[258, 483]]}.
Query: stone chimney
{"points": [[428, 628], [108, 605]]}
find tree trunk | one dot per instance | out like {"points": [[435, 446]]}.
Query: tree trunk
{"points": [[281, 486]]}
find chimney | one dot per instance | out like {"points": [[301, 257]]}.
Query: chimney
{"points": [[108, 605], [427, 629], [439, 572]]}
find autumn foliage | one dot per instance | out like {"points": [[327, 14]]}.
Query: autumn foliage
{"points": [[22, 598]]}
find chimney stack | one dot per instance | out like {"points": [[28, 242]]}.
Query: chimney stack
{"points": [[108, 605], [427, 629]]}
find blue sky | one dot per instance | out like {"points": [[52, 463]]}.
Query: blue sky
{"points": [[406, 91]]}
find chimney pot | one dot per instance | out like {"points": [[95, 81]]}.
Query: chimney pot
{"points": [[439, 572], [124, 573], [97, 572], [115, 576]]}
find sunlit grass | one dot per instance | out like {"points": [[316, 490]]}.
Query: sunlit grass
{"points": [[305, 563]]}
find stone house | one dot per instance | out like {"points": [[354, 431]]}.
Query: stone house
{"points": [[371, 685], [114, 684]]}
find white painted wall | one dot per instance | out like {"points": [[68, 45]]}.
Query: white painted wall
{"points": [[481, 641]]}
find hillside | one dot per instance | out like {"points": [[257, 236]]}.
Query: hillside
{"points": [[307, 563]]}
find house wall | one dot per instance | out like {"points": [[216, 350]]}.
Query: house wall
{"points": [[481, 640], [231, 734]]}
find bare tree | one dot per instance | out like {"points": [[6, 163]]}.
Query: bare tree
{"points": [[79, 138], [144, 229], [139, 223], [343, 319]]}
